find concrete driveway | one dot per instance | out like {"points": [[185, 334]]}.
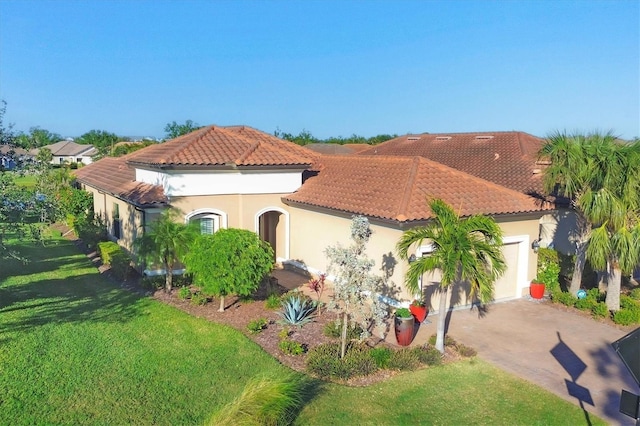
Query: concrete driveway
{"points": [[564, 352]]}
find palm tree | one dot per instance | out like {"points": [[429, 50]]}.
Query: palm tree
{"points": [[165, 242], [599, 174], [464, 250]]}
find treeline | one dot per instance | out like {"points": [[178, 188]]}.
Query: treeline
{"points": [[305, 137]]}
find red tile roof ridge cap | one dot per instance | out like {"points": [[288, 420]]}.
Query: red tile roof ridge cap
{"points": [[408, 188], [253, 146], [193, 137]]}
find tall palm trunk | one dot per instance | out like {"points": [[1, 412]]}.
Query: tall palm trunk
{"points": [[581, 256], [613, 288], [168, 282], [444, 296]]}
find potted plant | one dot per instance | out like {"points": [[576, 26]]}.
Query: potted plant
{"points": [[404, 323], [419, 309], [536, 288]]}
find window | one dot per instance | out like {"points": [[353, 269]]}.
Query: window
{"points": [[209, 222], [116, 221]]}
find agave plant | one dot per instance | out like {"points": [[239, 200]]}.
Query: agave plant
{"points": [[297, 310]]}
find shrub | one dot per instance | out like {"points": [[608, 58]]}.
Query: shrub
{"points": [[264, 401], [325, 362], [564, 297], [428, 355], [291, 347], [448, 341], [548, 268], [600, 310], [381, 356], [120, 264], [626, 317], [466, 351], [627, 302], [586, 304], [184, 293], [106, 250], [152, 282], [404, 359], [297, 311], [272, 302], [199, 299], [293, 294], [334, 329], [635, 294], [257, 325], [90, 230]]}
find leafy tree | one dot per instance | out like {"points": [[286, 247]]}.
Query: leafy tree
{"points": [[128, 148], [44, 157], [173, 129], [231, 261], [599, 174], [165, 242], [102, 140], [305, 137], [36, 138], [7, 136], [464, 250], [356, 288]]}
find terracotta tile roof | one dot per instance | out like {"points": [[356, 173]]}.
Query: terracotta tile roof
{"points": [[115, 177], [505, 158], [397, 188], [70, 148], [224, 146]]}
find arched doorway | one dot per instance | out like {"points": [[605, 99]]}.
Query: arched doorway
{"points": [[273, 227]]}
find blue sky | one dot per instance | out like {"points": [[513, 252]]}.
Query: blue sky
{"points": [[334, 68]]}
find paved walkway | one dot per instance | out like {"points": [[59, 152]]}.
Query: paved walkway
{"points": [[565, 353]]}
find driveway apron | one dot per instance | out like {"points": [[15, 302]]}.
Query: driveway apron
{"points": [[563, 352]]}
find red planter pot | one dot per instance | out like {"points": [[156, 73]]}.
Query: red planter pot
{"points": [[536, 290], [419, 312], [404, 330]]}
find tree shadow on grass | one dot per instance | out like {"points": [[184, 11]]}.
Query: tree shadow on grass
{"points": [[81, 298]]}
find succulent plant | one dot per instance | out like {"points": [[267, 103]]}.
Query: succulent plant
{"points": [[297, 311]]}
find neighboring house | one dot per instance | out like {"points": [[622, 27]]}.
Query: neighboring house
{"points": [[301, 202], [11, 157], [67, 152]]}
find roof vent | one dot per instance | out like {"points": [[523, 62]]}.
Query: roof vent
{"points": [[443, 138], [484, 137], [413, 138]]}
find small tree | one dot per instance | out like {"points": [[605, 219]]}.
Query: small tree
{"points": [[231, 261], [355, 287], [166, 242]]}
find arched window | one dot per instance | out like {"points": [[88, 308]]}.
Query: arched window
{"points": [[210, 220]]}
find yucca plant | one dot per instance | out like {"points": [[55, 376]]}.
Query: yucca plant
{"points": [[297, 311]]}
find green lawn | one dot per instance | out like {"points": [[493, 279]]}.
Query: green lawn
{"points": [[76, 349], [28, 181]]}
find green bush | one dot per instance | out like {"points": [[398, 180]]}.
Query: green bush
{"points": [[184, 293], [90, 230], [153, 283], [404, 359], [334, 329], [564, 297], [106, 250], [199, 299], [120, 264], [257, 325], [635, 293], [272, 302], [290, 347], [600, 310], [586, 304], [627, 302], [548, 269], [381, 356], [428, 355], [626, 317], [324, 361]]}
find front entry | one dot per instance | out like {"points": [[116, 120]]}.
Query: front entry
{"points": [[271, 230]]}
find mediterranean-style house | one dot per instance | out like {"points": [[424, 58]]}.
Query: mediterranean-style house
{"points": [[67, 152], [302, 201]]}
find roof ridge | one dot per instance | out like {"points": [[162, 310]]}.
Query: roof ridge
{"points": [[408, 189], [179, 146]]}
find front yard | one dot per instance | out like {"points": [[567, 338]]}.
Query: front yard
{"points": [[77, 349]]}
